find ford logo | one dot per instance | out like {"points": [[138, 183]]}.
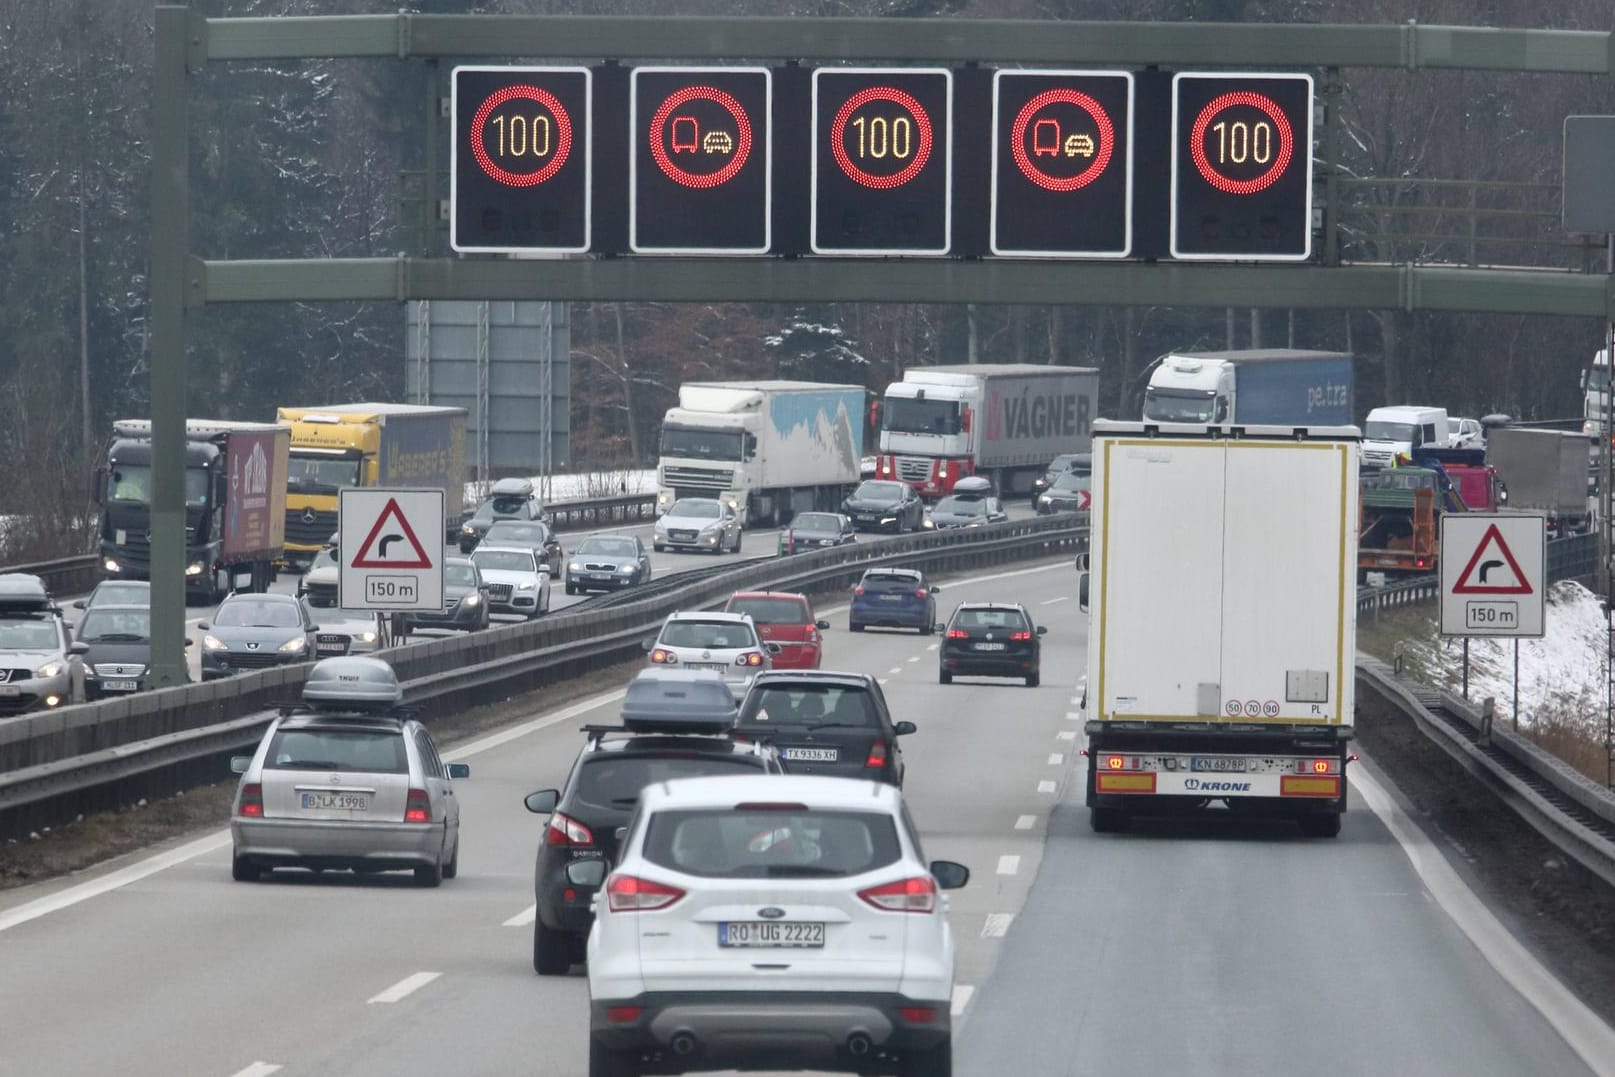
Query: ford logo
{"points": [[771, 913]]}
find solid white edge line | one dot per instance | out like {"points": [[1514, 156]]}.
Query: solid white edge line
{"points": [[961, 999], [1009, 864], [1025, 822], [1583, 1030], [258, 1069], [404, 988], [523, 918]]}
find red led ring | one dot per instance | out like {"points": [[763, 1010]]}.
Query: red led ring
{"points": [[701, 181], [839, 127], [1096, 167], [563, 136], [1281, 161]]}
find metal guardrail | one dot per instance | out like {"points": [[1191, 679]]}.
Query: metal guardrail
{"points": [[56, 765]]}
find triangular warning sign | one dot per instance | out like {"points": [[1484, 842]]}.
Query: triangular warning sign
{"points": [[397, 548], [1492, 569]]}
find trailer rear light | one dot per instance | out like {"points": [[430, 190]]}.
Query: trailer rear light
{"points": [[565, 830], [876, 760], [958, 633], [905, 895], [1020, 636], [629, 893], [1419, 562], [1115, 762], [1317, 766], [662, 657], [252, 801], [418, 807]]}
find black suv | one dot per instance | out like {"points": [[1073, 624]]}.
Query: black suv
{"points": [[991, 639], [676, 724], [834, 724]]}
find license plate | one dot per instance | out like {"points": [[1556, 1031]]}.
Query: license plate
{"points": [[1217, 764], [989, 646], [892, 598], [336, 802], [720, 667], [792, 935], [336, 647], [119, 686], [10, 690], [812, 755]]}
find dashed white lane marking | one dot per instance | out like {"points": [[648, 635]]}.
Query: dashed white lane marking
{"points": [[1056, 759], [1073, 716], [1066, 734], [932, 647], [257, 1069], [523, 918], [1045, 787], [997, 925], [1076, 701], [1052, 601], [1025, 822], [895, 669], [880, 680], [1009, 864], [405, 987], [961, 998], [916, 658]]}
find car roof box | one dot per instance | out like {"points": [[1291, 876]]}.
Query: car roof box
{"points": [[974, 484], [351, 683], [512, 488], [678, 701], [24, 591]]}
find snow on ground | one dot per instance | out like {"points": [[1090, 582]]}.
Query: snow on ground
{"points": [[582, 486], [1562, 671]]}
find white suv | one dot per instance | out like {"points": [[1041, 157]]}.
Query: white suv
{"points": [[770, 922]]}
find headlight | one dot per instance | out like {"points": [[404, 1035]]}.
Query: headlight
{"points": [[468, 530], [368, 636], [527, 586], [193, 569], [51, 668], [625, 570], [1044, 500], [930, 524], [573, 566], [294, 646], [214, 643], [471, 601], [110, 565]]}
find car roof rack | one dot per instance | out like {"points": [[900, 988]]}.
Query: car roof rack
{"points": [[597, 733], [396, 712]]}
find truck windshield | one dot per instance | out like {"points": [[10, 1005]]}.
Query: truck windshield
{"points": [[320, 474], [131, 484], [1168, 406], [1382, 431], [704, 444], [1598, 378], [903, 415]]}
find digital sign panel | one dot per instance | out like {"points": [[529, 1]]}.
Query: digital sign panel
{"points": [[882, 171], [701, 156], [520, 159], [1241, 167], [1062, 164]]}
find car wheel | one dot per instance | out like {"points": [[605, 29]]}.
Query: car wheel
{"points": [[429, 875], [937, 1062], [944, 677], [854, 626], [929, 629], [606, 1062], [552, 951], [1033, 680], [571, 590], [452, 868], [740, 536], [1107, 820], [243, 870]]}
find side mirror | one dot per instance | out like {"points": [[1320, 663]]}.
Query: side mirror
{"points": [[1082, 592], [821, 625], [590, 872], [78, 604], [935, 590], [458, 770], [948, 875], [542, 802], [903, 729], [240, 763], [774, 648], [189, 642], [941, 628], [1042, 630], [203, 625], [646, 644], [622, 834], [1082, 562], [77, 647]]}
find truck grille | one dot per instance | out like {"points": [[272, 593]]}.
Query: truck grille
{"points": [[697, 478], [307, 527], [914, 468]]}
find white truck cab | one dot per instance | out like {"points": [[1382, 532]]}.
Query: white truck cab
{"points": [[1400, 430]]}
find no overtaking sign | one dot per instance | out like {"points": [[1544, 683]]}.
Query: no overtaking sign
{"points": [[390, 547], [1492, 574]]}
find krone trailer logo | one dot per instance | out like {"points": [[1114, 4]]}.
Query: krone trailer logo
{"points": [[1198, 786]]}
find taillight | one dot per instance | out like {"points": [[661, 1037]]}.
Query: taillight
{"points": [[876, 759], [565, 830], [252, 801], [749, 658], [958, 633], [917, 1015], [857, 590], [1317, 766], [629, 893], [1020, 636], [623, 1015], [919, 592], [905, 895], [418, 808], [662, 657]]}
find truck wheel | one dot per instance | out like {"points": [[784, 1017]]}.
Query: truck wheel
{"points": [[1107, 820], [1321, 826]]}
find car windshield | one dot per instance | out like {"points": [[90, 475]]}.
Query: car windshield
{"points": [[614, 779], [810, 704], [962, 505], [505, 560], [121, 593], [696, 508], [131, 626], [891, 581], [374, 751], [707, 634], [816, 521], [1010, 620], [256, 613], [724, 843], [1379, 430], [518, 532], [460, 574], [609, 547], [28, 636], [879, 491], [772, 611]]}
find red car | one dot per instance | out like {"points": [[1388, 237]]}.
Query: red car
{"points": [[787, 619]]}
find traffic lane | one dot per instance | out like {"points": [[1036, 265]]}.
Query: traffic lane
{"points": [[1209, 946]]}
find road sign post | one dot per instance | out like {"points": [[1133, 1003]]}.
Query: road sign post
{"points": [[390, 548], [1492, 574]]}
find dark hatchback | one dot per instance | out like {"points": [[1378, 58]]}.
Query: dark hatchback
{"points": [[884, 505], [990, 639], [893, 598], [828, 723], [688, 740], [816, 530]]}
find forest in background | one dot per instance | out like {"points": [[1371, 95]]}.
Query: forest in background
{"points": [[307, 159]]}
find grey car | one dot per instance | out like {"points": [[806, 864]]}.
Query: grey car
{"points": [[698, 523], [607, 563], [465, 601], [40, 666], [726, 643], [972, 504], [347, 781], [117, 659], [257, 631]]}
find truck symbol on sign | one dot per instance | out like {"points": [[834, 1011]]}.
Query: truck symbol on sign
{"points": [[685, 135], [1046, 138]]}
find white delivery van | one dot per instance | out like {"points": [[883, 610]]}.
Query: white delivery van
{"points": [[1400, 431]]}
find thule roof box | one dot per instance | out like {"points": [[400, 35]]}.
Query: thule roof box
{"points": [[512, 488], [352, 683], [22, 592]]}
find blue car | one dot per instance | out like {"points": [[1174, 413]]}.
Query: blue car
{"points": [[893, 598]]}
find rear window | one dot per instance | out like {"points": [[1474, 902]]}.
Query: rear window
{"points": [[711, 634], [876, 581], [373, 751], [614, 780], [819, 704], [723, 843], [1010, 619], [772, 611]]}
